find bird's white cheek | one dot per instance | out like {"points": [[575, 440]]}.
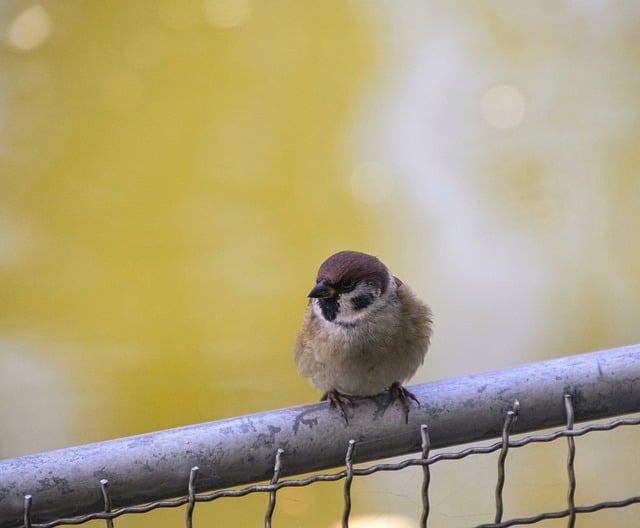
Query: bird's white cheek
{"points": [[358, 304], [316, 309], [350, 308]]}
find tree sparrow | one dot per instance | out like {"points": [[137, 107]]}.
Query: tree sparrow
{"points": [[364, 332]]}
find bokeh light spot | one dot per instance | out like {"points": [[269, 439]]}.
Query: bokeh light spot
{"points": [[371, 183], [227, 13], [380, 521], [30, 28], [503, 106]]}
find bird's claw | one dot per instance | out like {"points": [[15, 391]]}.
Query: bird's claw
{"points": [[338, 401], [398, 392]]}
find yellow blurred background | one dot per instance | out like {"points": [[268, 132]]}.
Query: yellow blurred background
{"points": [[173, 173]]}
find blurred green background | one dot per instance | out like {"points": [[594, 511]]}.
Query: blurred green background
{"points": [[173, 173]]}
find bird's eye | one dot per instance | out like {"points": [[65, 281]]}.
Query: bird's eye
{"points": [[347, 284]]}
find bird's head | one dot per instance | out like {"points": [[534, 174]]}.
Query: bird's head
{"points": [[349, 285]]}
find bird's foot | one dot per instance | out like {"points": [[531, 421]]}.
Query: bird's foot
{"points": [[338, 401], [398, 392]]}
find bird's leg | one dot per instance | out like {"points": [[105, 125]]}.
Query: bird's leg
{"points": [[398, 392], [338, 401]]}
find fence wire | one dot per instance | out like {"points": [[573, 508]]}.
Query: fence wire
{"points": [[426, 460]]}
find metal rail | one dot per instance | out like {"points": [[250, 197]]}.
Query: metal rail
{"points": [[155, 466]]}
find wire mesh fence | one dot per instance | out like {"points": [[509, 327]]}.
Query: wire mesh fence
{"points": [[349, 473], [599, 385]]}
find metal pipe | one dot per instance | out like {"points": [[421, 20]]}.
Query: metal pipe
{"points": [[236, 451]]}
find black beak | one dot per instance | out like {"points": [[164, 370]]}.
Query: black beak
{"points": [[322, 291]]}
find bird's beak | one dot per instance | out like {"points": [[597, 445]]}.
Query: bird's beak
{"points": [[322, 291]]}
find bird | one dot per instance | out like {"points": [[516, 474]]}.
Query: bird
{"points": [[363, 332]]}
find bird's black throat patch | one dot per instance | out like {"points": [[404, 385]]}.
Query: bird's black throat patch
{"points": [[362, 301], [329, 307]]}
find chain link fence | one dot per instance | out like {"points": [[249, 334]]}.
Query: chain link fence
{"points": [[77, 485]]}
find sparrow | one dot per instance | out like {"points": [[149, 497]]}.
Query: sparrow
{"points": [[364, 332]]}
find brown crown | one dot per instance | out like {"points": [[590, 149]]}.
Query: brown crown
{"points": [[355, 266]]}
